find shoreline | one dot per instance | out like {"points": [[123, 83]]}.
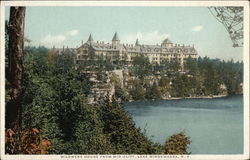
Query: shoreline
{"points": [[200, 97], [182, 98]]}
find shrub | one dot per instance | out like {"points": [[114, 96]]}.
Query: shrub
{"points": [[177, 144], [30, 142]]}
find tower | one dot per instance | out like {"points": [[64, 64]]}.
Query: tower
{"points": [[166, 43], [137, 42], [115, 39], [90, 39]]}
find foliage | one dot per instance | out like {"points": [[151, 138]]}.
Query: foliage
{"points": [[55, 96], [191, 66], [142, 66], [122, 133], [181, 86], [55, 93], [120, 91], [95, 63], [31, 143], [137, 90], [232, 19], [154, 92], [177, 144], [170, 66], [201, 77], [65, 61]]}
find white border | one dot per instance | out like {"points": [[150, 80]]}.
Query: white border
{"points": [[246, 53]]}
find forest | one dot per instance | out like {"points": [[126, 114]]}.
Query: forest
{"points": [[203, 77], [53, 102], [197, 78]]}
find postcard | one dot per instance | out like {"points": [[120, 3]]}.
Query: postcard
{"points": [[124, 80]]}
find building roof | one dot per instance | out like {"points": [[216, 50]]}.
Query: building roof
{"points": [[90, 39], [132, 48], [101, 46], [137, 42], [166, 41], [115, 38], [151, 48], [137, 48], [179, 50]]}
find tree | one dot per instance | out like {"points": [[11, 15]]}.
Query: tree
{"points": [[177, 144], [142, 66], [174, 65], [65, 61], [6, 45], [122, 132], [232, 19], [191, 66], [137, 91], [181, 86], [154, 92], [15, 66], [120, 92]]}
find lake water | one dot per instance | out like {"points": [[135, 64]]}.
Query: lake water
{"points": [[215, 126]]}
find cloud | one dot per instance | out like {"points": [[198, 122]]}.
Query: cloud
{"points": [[197, 28], [73, 32], [53, 39], [153, 37]]}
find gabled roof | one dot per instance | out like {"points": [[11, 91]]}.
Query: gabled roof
{"points": [[85, 45], [115, 38]]}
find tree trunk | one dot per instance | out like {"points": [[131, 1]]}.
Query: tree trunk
{"points": [[15, 67]]}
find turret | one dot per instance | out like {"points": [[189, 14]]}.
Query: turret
{"points": [[90, 39], [137, 42], [115, 39]]}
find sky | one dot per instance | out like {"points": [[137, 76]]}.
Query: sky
{"points": [[69, 26]]}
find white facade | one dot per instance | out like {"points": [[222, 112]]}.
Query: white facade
{"points": [[126, 52]]}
